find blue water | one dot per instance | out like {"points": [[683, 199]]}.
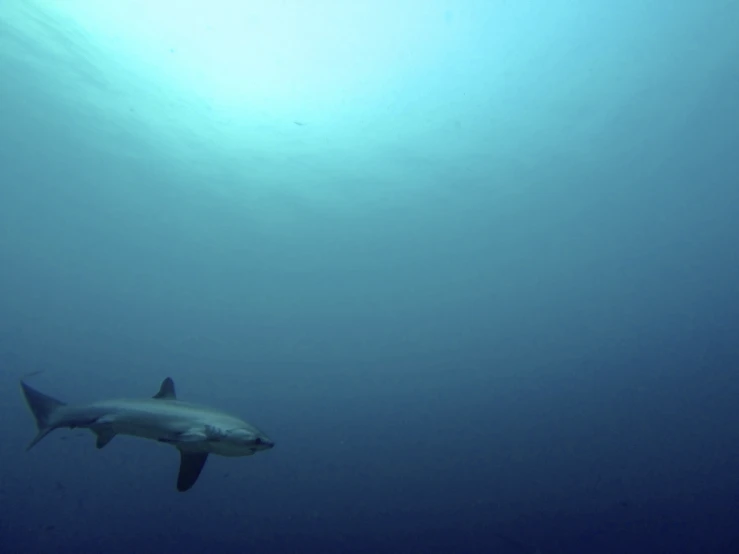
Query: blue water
{"points": [[481, 292]]}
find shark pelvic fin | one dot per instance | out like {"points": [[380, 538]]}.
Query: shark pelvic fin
{"points": [[166, 391], [191, 464]]}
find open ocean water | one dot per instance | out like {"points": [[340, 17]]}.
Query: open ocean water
{"points": [[473, 265]]}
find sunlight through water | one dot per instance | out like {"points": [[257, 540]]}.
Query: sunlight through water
{"points": [[267, 87], [275, 55]]}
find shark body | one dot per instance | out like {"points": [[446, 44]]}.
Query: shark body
{"points": [[196, 431]]}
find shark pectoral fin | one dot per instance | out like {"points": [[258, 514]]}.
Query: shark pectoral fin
{"points": [[166, 390], [191, 464], [103, 437]]}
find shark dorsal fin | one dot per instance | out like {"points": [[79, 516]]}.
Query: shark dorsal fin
{"points": [[166, 391]]}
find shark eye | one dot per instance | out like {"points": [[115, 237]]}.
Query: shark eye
{"points": [[258, 441]]}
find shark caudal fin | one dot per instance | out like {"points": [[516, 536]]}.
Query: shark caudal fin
{"points": [[43, 408]]}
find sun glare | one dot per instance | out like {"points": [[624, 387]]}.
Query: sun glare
{"points": [[244, 51]]}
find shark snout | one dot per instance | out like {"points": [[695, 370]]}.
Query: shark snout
{"points": [[265, 443]]}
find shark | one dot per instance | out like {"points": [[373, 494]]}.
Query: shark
{"points": [[195, 431]]}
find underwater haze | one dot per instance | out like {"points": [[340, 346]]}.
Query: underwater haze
{"points": [[472, 265]]}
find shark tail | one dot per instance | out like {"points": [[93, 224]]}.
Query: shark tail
{"points": [[44, 409]]}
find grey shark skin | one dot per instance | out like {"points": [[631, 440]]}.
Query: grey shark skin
{"points": [[196, 431]]}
